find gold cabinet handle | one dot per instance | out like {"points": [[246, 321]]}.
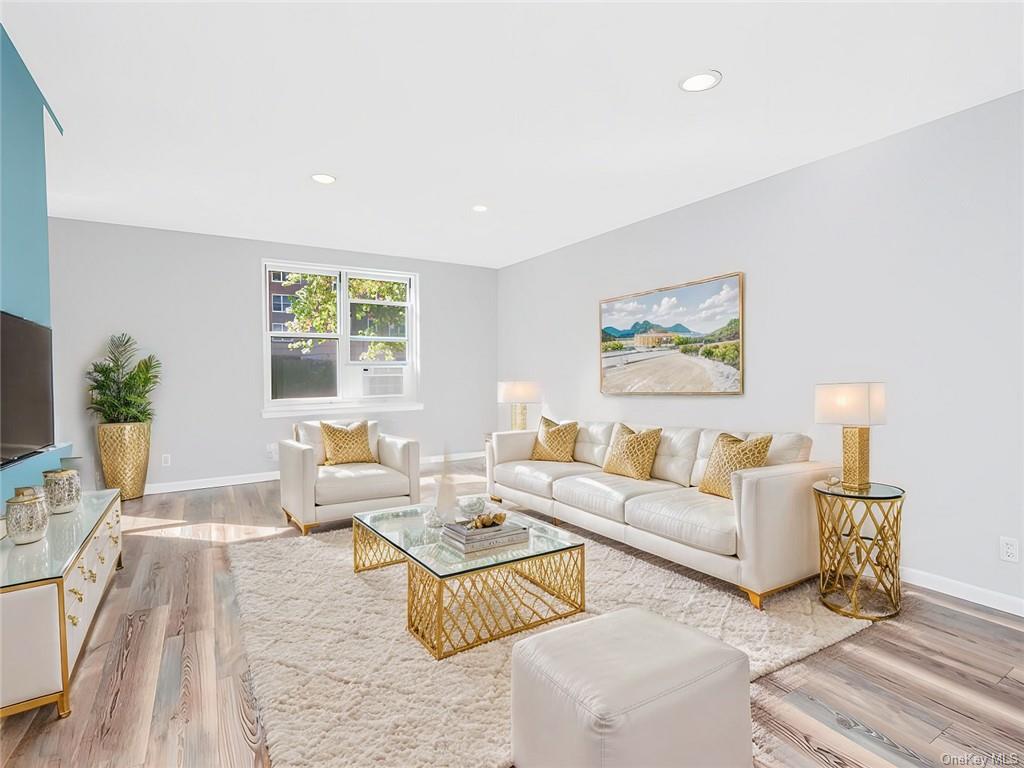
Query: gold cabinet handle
{"points": [[77, 593], [73, 619]]}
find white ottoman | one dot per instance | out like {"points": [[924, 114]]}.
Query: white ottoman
{"points": [[629, 689]]}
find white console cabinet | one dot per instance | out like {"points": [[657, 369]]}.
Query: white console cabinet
{"points": [[49, 595]]}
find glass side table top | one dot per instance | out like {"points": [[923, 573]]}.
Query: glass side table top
{"points": [[403, 528], [53, 554], [873, 491]]}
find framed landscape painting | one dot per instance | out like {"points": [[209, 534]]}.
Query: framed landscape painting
{"points": [[681, 340]]}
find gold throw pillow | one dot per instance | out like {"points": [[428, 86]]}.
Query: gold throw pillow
{"points": [[554, 442], [729, 455], [347, 445], [632, 453]]}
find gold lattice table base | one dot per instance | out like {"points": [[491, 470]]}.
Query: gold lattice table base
{"points": [[455, 613], [860, 555]]}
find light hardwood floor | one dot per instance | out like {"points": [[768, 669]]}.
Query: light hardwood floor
{"points": [[165, 681]]}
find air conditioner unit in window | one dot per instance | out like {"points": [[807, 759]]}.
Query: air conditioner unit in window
{"points": [[383, 381]]}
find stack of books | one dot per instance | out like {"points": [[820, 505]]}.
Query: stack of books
{"points": [[469, 540]]}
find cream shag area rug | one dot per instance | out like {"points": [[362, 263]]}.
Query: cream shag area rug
{"points": [[341, 682]]}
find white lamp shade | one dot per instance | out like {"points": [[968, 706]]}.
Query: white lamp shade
{"points": [[858, 404], [518, 392]]}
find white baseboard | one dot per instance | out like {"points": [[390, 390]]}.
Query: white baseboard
{"points": [[261, 477], [211, 482], [451, 457], [987, 597]]}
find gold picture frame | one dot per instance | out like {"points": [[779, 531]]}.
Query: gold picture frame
{"points": [[640, 357]]}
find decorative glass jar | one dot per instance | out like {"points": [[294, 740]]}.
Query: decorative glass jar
{"points": [[63, 490], [27, 515]]}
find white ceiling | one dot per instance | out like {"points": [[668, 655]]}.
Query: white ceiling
{"points": [[565, 119]]}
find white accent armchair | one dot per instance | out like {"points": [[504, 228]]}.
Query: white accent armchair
{"points": [[313, 493]]}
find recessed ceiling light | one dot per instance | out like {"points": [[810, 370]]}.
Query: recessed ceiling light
{"points": [[323, 178], [701, 82], [480, 209]]}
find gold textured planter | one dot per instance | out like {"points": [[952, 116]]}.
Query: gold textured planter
{"points": [[124, 454]]}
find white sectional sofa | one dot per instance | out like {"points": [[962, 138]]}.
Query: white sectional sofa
{"points": [[763, 540], [313, 493]]}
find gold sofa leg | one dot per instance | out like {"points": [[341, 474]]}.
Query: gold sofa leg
{"points": [[757, 600], [303, 529]]}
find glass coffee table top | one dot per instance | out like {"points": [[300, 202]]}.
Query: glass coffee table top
{"points": [[403, 528]]}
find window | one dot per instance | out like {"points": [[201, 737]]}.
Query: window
{"points": [[350, 339], [377, 319]]}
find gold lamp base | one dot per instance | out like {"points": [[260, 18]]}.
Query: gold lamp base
{"points": [[518, 416], [856, 445]]}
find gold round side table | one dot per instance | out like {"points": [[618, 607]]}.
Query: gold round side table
{"points": [[859, 538]]}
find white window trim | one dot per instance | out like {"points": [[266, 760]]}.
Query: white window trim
{"points": [[281, 273], [310, 407]]}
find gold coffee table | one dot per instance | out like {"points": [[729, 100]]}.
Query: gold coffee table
{"points": [[859, 537], [455, 601]]}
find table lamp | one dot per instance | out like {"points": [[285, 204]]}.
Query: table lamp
{"points": [[857, 407], [518, 393]]}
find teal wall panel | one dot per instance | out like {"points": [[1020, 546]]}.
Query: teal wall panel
{"points": [[30, 471], [24, 234], [24, 246]]}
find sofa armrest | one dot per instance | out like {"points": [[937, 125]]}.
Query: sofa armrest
{"points": [[298, 480], [776, 522], [513, 446], [403, 455], [507, 446]]}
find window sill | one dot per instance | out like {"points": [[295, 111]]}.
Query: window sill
{"points": [[327, 409]]}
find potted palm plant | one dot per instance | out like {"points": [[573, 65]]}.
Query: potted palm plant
{"points": [[119, 392]]}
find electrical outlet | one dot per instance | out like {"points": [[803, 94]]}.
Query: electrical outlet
{"points": [[272, 451], [1009, 549], [165, 460]]}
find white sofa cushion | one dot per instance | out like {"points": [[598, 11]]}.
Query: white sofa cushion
{"points": [[604, 494], [592, 441], [308, 433], [786, 447], [676, 454], [687, 516], [537, 477], [355, 482]]}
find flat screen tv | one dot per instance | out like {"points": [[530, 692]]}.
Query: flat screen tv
{"points": [[26, 387]]}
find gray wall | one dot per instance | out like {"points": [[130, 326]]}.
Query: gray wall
{"points": [[194, 300], [899, 261]]}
